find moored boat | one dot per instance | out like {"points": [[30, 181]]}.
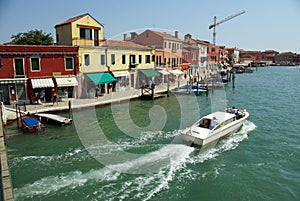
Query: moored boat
{"points": [[53, 118], [32, 125], [214, 126]]}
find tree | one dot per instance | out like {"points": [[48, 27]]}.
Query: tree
{"points": [[33, 37]]}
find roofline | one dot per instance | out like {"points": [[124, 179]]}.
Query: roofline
{"points": [[83, 15]]}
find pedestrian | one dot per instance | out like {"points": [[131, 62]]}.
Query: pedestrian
{"points": [[42, 96], [54, 98]]}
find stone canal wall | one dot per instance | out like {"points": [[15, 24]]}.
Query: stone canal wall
{"points": [[6, 187]]}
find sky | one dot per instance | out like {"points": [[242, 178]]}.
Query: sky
{"points": [[266, 25]]}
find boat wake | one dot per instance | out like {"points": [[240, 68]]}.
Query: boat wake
{"points": [[105, 183]]}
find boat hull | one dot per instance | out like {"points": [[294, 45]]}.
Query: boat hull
{"points": [[32, 128], [190, 139]]}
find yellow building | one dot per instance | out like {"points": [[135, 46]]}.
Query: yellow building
{"points": [[105, 65], [126, 61], [82, 30]]}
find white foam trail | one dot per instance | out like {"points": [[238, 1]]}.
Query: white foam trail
{"points": [[51, 184], [140, 187], [177, 162], [78, 154]]}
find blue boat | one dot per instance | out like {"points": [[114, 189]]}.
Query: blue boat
{"points": [[32, 125]]}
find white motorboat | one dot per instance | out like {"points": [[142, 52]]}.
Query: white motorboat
{"points": [[214, 126]]}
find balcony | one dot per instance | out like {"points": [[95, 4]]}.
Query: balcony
{"points": [[133, 65], [85, 42]]}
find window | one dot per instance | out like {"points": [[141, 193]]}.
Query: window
{"points": [[35, 64], [69, 63], [86, 59], [147, 58], [96, 38], [193, 56], [123, 58], [85, 33], [19, 68], [169, 45], [140, 59], [165, 44], [132, 59], [113, 59], [102, 59]]}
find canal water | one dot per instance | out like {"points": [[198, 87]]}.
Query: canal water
{"points": [[131, 150]]}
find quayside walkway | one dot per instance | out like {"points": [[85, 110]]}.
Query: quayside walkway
{"points": [[114, 97], [6, 192]]}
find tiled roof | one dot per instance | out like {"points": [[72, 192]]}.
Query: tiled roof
{"points": [[123, 44], [202, 42], [165, 35], [74, 19], [286, 54]]}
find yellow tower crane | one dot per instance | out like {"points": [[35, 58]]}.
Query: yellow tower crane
{"points": [[220, 22]]}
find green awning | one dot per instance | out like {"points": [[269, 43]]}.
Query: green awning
{"points": [[101, 78], [193, 66], [150, 72]]}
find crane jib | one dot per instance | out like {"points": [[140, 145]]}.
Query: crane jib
{"points": [[222, 21]]}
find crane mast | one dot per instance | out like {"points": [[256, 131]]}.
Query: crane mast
{"points": [[220, 22]]}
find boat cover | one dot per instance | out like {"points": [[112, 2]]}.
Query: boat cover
{"points": [[30, 122]]}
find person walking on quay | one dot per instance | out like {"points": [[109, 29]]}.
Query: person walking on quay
{"points": [[42, 96], [54, 97]]}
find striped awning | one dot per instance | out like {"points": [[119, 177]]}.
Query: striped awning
{"points": [[121, 73], [66, 81], [163, 72], [176, 72], [42, 83], [13, 80]]}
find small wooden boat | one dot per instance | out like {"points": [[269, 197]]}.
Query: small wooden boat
{"points": [[32, 125]]}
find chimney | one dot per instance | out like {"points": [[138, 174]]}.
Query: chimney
{"points": [[187, 36], [133, 35], [176, 34], [124, 36]]}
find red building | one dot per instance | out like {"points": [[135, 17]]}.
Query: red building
{"points": [[212, 56], [25, 71], [190, 55]]}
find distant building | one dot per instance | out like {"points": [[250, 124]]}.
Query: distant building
{"points": [[269, 56], [190, 54], [233, 55], [203, 49], [285, 58], [212, 57], [167, 46]]}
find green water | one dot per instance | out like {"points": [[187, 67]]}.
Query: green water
{"points": [[130, 151]]}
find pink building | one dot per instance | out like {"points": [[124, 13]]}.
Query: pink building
{"points": [[167, 46]]}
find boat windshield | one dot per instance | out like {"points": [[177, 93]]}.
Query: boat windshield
{"points": [[204, 123]]}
